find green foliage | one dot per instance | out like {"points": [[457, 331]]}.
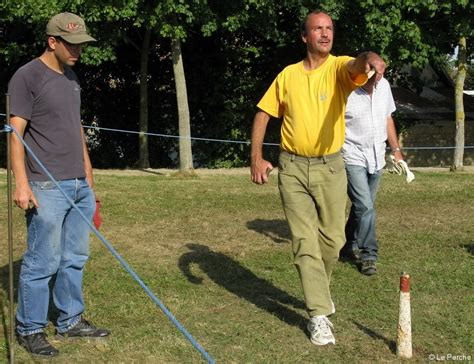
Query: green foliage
{"points": [[28, 19], [96, 56], [232, 50], [209, 28], [469, 82]]}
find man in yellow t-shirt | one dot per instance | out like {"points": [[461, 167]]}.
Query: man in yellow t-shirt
{"points": [[310, 97]]}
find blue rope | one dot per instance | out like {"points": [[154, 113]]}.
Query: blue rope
{"points": [[7, 129]]}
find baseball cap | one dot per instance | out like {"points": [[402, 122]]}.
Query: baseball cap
{"points": [[70, 27]]}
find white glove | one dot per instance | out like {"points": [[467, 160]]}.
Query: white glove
{"points": [[401, 167]]}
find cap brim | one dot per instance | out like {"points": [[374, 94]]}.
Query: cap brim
{"points": [[78, 38]]}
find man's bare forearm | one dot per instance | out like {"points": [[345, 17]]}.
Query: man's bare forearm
{"points": [[18, 152], [259, 128]]}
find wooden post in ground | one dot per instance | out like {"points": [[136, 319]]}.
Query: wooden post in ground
{"points": [[404, 346]]}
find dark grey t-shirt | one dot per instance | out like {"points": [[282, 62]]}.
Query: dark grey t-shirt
{"points": [[51, 103]]}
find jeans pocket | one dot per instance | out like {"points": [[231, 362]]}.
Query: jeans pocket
{"points": [[43, 185], [83, 183]]}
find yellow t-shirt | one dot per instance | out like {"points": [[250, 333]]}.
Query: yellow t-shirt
{"points": [[312, 104]]}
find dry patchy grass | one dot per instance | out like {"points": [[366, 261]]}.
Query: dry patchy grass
{"points": [[216, 250]]}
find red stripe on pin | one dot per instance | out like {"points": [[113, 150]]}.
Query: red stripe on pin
{"points": [[404, 283]]}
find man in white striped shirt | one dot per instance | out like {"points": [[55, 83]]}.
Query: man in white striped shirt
{"points": [[369, 125]]}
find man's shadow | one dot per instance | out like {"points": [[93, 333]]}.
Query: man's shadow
{"points": [[277, 230], [242, 282]]}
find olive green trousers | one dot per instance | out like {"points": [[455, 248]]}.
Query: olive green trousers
{"points": [[314, 196]]}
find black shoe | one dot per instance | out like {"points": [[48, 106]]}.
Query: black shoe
{"points": [[351, 254], [368, 267], [36, 344], [83, 329]]}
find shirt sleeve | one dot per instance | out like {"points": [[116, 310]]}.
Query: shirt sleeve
{"points": [[21, 95], [271, 100], [390, 101]]}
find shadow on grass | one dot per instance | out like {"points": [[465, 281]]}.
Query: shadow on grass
{"points": [[5, 301], [4, 271], [347, 259], [391, 344], [277, 230], [469, 248], [151, 172], [242, 282], [4, 306]]}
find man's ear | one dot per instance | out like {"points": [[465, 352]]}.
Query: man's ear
{"points": [[52, 41], [303, 36]]}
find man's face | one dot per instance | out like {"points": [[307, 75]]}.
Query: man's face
{"points": [[319, 34], [66, 53]]}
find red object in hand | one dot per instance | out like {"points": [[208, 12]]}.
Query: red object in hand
{"points": [[97, 219]]}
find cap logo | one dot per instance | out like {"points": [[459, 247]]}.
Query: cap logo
{"points": [[72, 27]]}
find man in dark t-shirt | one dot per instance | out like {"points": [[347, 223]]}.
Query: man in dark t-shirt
{"points": [[45, 102]]}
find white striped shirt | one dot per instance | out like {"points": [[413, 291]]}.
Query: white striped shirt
{"points": [[366, 126]]}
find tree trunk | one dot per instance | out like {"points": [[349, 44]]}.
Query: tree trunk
{"points": [[459, 105], [143, 156], [185, 153]]}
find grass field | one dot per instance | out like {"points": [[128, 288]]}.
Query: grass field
{"points": [[215, 250]]}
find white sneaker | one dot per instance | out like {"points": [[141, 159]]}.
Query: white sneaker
{"points": [[319, 328]]}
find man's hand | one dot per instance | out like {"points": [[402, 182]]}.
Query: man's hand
{"points": [[376, 63], [366, 63], [398, 155], [90, 180], [24, 198], [260, 170]]}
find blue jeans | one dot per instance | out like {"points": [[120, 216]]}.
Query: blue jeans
{"points": [[360, 227], [58, 248]]}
